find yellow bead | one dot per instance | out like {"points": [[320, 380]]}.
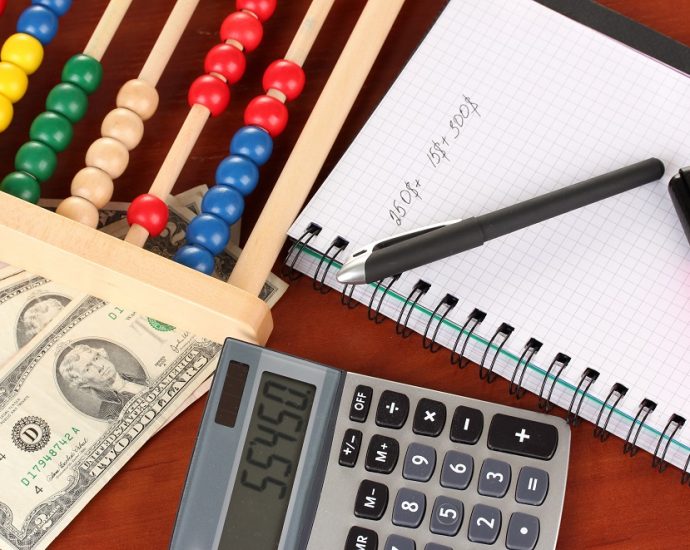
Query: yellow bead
{"points": [[80, 210], [25, 51], [109, 155], [94, 185], [6, 112], [123, 125], [138, 96], [13, 81]]}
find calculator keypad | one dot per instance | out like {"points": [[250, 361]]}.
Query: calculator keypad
{"points": [[494, 478], [446, 517], [409, 508], [457, 470], [420, 462]]}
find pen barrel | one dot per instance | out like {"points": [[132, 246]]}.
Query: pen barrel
{"points": [[541, 208]]}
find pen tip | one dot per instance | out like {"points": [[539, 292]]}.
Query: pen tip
{"points": [[352, 271]]}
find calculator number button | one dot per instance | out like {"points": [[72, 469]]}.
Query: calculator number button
{"points": [[420, 462], [434, 546], [361, 402], [457, 470], [371, 500], [467, 425], [382, 454], [429, 418], [396, 542], [349, 450], [485, 524], [514, 435], [409, 508], [532, 486], [523, 532], [494, 478], [392, 410], [361, 539], [446, 517]]}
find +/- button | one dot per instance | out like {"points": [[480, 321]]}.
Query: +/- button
{"points": [[349, 450]]}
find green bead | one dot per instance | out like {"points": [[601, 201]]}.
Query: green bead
{"points": [[84, 71], [21, 185], [52, 129], [36, 159], [69, 100]]}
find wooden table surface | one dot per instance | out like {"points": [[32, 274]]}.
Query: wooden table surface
{"points": [[612, 501]]}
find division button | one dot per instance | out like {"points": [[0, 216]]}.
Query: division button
{"points": [[420, 462], [519, 436], [494, 479], [371, 500], [467, 425], [392, 410], [349, 450], [532, 486], [523, 532], [429, 417], [457, 469], [360, 538], [485, 524], [396, 542], [361, 402], [409, 508], [382, 454], [446, 517]]}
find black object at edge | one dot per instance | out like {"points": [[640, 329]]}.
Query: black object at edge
{"points": [[288, 270], [590, 376], [600, 431], [647, 407], [685, 476], [545, 401], [346, 297], [339, 244], [450, 302], [488, 374], [474, 319], [374, 314], [419, 290], [658, 462], [679, 189], [532, 347]]}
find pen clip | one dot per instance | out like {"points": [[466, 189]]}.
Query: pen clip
{"points": [[389, 241]]}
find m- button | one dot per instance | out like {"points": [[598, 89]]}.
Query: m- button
{"points": [[361, 402]]}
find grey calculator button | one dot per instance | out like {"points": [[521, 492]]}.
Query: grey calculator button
{"points": [[434, 546], [446, 517], [532, 486], [396, 542], [457, 470], [409, 508], [523, 532], [485, 524], [420, 461], [494, 479]]}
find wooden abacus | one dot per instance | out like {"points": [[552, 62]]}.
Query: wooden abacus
{"points": [[67, 251]]}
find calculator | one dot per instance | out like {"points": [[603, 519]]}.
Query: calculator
{"points": [[296, 455]]}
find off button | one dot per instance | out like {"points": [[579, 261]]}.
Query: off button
{"points": [[361, 402]]}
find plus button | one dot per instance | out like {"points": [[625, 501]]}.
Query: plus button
{"points": [[522, 435]]}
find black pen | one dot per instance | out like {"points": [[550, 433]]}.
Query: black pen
{"points": [[422, 246]]}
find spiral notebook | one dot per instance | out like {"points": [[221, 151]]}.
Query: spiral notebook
{"points": [[505, 100]]}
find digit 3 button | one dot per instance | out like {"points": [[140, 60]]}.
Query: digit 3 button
{"points": [[429, 418]]}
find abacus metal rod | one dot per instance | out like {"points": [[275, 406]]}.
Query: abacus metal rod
{"points": [[107, 26], [181, 148], [314, 144]]}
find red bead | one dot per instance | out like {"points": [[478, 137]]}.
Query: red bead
{"points": [[3, 2], [149, 212], [244, 28], [268, 113], [211, 92], [263, 9], [284, 76], [226, 60]]}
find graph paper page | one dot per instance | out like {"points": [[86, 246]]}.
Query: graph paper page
{"points": [[505, 100]]}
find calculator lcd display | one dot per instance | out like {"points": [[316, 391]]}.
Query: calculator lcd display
{"points": [[267, 469]]}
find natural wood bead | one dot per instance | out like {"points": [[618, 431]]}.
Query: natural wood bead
{"points": [[94, 185], [109, 155], [138, 96], [123, 125], [80, 210]]}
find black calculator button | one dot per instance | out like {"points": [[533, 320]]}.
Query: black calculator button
{"points": [[446, 517], [371, 500], [485, 524], [532, 486], [360, 538], [409, 508], [361, 402], [420, 462], [514, 435], [494, 478], [429, 417], [392, 410], [349, 450], [467, 425], [382, 454], [523, 532], [396, 542], [434, 546], [457, 470]]}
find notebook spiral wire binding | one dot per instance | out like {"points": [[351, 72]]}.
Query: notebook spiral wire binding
{"points": [[497, 342]]}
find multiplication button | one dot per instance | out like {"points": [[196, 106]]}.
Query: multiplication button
{"points": [[361, 401], [446, 517], [392, 410], [457, 470], [429, 417], [467, 425], [360, 538]]}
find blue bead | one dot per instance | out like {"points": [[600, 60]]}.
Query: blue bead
{"points": [[210, 232], [252, 142], [238, 172], [59, 7], [224, 202], [39, 22], [196, 257]]}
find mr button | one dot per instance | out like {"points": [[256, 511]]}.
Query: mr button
{"points": [[361, 401], [518, 436]]}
